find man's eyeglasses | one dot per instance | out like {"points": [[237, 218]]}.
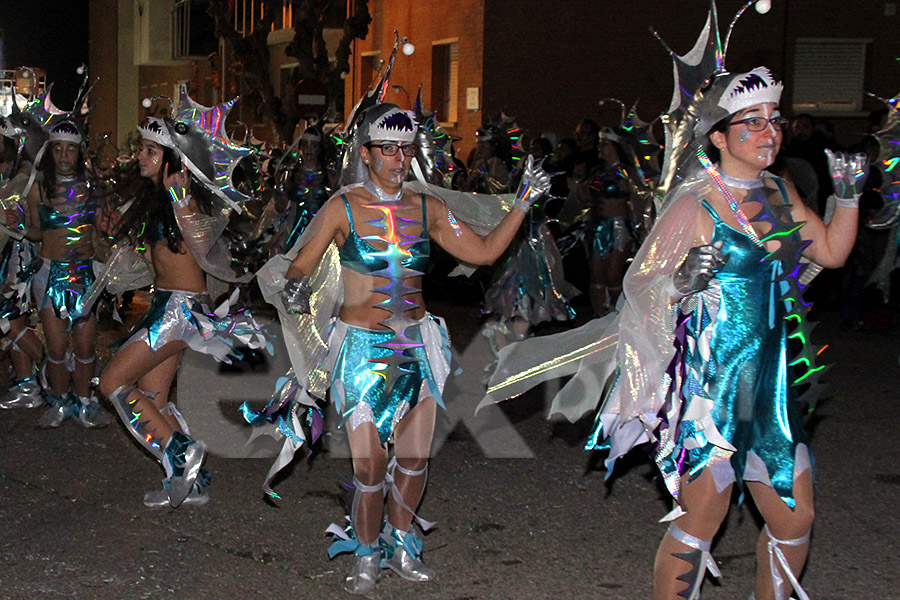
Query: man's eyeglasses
{"points": [[409, 150], [760, 123]]}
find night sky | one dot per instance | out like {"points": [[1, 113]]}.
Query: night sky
{"points": [[49, 34]]}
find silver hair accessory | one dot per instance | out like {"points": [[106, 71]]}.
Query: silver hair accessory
{"points": [[66, 131], [608, 133], [198, 134], [311, 134], [748, 89], [155, 131], [701, 82], [391, 124]]}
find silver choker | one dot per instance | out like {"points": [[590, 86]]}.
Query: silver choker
{"points": [[741, 184], [381, 194]]}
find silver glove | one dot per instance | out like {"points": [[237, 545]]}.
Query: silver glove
{"points": [[296, 295], [535, 183], [848, 175], [698, 269], [181, 197]]}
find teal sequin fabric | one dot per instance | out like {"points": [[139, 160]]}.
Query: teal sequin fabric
{"points": [[363, 379], [745, 373]]}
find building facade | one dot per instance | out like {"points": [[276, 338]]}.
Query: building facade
{"points": [[547, 62]]}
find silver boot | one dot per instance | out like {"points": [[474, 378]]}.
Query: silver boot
{"points": [[364, 574], [160, 498], [89, 413], [182, 459], [25, 393], [60, 409], [404, 555]]}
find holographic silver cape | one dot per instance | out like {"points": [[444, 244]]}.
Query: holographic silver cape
{"points": [[637, 339]]}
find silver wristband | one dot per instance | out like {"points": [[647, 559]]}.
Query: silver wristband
{"points": [[847, 202]]}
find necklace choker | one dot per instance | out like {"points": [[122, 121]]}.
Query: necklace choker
{"points": [[381, 194], [741, 184]]}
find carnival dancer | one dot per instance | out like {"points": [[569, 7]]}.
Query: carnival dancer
{"points": [[311, 184], [386, 355], [63, 212], [723, 261], [529, 286], [703, 368], [170, 222], [17, 261], [609, 239]]}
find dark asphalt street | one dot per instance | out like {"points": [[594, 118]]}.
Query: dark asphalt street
{"points": [[523, 512]]}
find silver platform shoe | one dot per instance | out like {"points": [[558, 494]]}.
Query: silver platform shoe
{"points": [[182, 459], [404, 555], [364, 574], [24, 393], [89, 412]]}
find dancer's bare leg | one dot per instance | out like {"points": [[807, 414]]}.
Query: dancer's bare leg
{"points": [[613, 271], [84, 339], [706, 508], [783, 524], [56, 338], [412, 447], [27, 350], [136, 363], [370, 462], [597, 287]]}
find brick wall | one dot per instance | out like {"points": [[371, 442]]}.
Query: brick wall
{"points": [[424, 22]]}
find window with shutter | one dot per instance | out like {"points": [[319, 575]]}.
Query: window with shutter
{"points": [[829, 75]]}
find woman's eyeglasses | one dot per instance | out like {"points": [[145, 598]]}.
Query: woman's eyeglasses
{"points": [[760, 123], [409, 150]]}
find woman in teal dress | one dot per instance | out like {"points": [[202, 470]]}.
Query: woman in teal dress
{"points": [[705, 368]]}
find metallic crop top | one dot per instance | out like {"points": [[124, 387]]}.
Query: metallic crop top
{"points": [[359, 255], [75, 205]]}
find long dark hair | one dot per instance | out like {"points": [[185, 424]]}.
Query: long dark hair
{"points": [[151, 217]]}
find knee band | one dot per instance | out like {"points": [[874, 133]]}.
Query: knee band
{"points": [[411, 473], [14, 343], [86, 361], [777, 557], [699, 558], [59, 361]]}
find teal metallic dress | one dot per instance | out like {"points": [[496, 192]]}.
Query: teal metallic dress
{"points": [[377, 375], [372, 375], [734, 354], [725, 399]]}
